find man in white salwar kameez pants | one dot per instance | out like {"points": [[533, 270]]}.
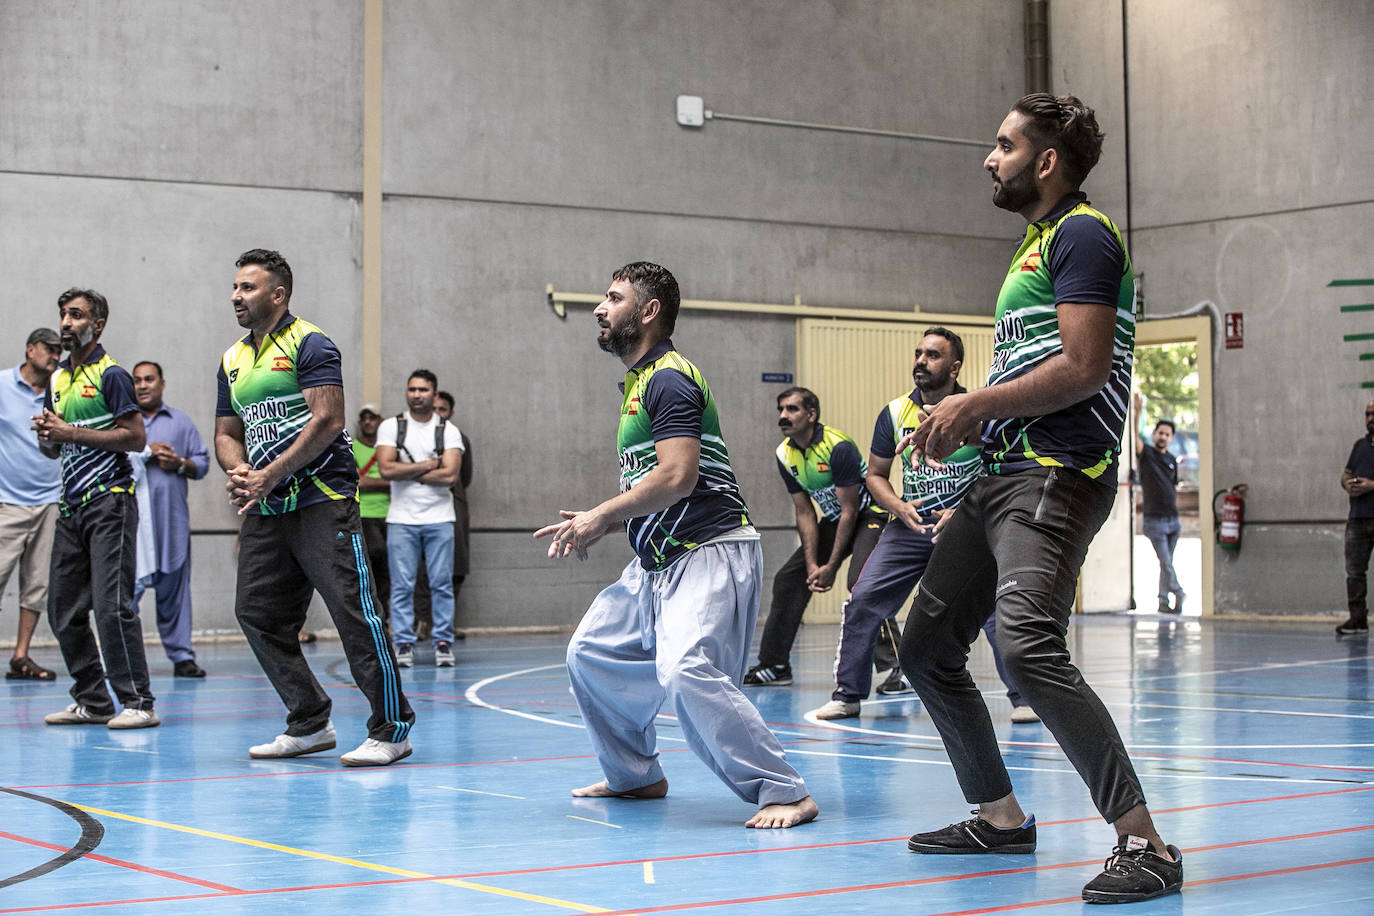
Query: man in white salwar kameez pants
{"points": [[678, 624]]}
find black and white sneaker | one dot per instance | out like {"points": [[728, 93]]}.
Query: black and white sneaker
{"points": [[769, 676], [1134, 872], [975, 836], [1353, 627], [892, 684]]}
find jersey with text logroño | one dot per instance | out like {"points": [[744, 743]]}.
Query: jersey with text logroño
{"points": [[666, 397], [831, 460], [264, 389], [1074, 255], [92, 395], [935, 487]]}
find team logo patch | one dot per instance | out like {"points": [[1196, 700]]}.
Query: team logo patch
{"points": [[822, 467], [1032, 262], [233, 376], [281, 364], [634, 407], [88, 391]]}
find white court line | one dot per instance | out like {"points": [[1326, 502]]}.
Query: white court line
{"points": [[591, 821], [471, 694], [127, 750], [648, 872], [479, 792]]}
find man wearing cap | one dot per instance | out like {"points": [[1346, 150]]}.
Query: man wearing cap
{"points": [[374, 498], [174, 455], [29, 487]]}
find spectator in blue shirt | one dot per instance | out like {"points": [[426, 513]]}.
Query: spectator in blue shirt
{"points": [[30, 484], [175, 454]]}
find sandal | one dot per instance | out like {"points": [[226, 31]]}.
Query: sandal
{"points": [[26, 669]]}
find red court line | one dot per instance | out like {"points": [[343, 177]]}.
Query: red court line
{"points": [[234, 892], [96, 857], [1012, 871]]}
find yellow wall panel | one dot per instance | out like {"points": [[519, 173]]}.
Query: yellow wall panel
{"points": [[856, 367]]}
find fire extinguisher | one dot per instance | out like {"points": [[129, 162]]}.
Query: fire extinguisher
{"points": [[1231, 519]]}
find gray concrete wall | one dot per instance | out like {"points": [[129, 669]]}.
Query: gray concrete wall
{"points": [[528, 144], [1253, 178], [145, 144]]}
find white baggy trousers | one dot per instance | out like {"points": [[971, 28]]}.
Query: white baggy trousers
{"points": [[681, 634]]}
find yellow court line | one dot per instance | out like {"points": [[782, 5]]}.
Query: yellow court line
{"points": [[356, 863]]}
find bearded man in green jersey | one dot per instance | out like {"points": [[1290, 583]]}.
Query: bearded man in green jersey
{"points": [[1050, 421], [677, 624]]}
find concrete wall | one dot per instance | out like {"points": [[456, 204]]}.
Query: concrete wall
{"points": [[144, 144], [1253, 179]]}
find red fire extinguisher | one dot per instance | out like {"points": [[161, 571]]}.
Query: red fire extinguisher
{"points": [[1232, 516]]}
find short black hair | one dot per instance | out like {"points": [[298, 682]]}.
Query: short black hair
{"points": [[445, 396], [956, 343], [1068, 126], [1168, 423], [149, 362], [651, 281], [808, 399], [426, 375], [100, 307], [270, 261]]}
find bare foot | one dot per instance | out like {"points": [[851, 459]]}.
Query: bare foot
{"points": [[798, 812], [601, 790]]}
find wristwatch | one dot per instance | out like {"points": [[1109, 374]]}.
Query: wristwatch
{"points": [[181, 468]]}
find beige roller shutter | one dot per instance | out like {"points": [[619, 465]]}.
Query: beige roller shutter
{"points": [[856, 367]]}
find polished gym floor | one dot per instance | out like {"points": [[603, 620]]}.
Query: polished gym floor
{"points": [[1253, 741]]}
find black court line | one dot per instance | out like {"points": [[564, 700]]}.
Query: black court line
{"points": [[92, 832]]}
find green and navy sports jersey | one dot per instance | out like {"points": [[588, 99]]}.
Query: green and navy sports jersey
{"points": [[264, 389], [665, 397], [830, 460], [936, 488], [1075, 254], [93, 395]]}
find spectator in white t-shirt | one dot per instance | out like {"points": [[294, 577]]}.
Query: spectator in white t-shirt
{"points": [[421, 454]]}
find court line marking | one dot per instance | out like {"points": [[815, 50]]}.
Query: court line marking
{"points": [[593, 821], [126, 750], [1033, 869], [648, 872], [480, 792], [832, 725], [472, 695], [340, 860], [121, 863], [742, 852]]}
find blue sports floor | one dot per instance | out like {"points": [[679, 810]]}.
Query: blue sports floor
{"points": [[1253, 741]]}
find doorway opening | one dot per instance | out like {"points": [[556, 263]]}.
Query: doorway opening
{"points": [[1166, 422]]}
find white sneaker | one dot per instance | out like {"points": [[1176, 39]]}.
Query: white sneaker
{"points": [[134, 718], [289, 746], [374, 753], [837, 709], [76, 714], [405, 655], [443, 655], [1023, 715]]}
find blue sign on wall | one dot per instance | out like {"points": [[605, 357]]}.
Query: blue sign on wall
{"points": [[777, 378]]}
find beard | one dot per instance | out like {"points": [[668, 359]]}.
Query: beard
{"points": [[624, 337], [934, 380], [1017, 191], [75, 341]]}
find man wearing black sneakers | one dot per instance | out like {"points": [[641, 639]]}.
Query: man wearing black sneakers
{"points": [[819, 464], [1055, 405], [1358, 482]]}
